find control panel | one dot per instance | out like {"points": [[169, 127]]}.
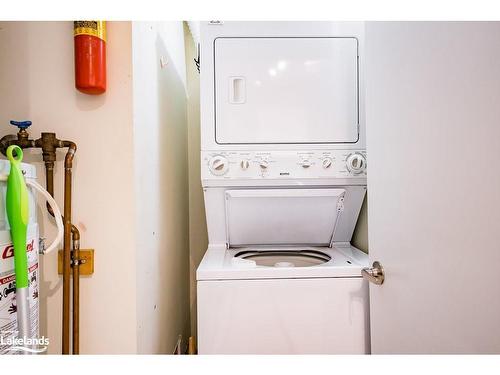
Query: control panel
{"points": [[284, 164]]}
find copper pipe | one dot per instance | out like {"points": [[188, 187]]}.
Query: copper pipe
{"points": [[66, 285], [68, 164], [49, 176], [49, 181], [68, 161], [76, 297], [21, 140], [49, 144]]}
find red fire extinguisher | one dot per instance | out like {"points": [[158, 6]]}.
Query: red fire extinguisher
{"points": [[90, 56]]}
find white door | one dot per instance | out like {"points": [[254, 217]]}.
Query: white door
{"points": [[433, 143], [286, 90]]}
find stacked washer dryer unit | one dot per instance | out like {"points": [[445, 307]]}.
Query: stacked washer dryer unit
{"points": [[283, 169]]}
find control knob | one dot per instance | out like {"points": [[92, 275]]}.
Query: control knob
{"points": [[327, 163], [356, 163], [306, 163], [263, 164], [218, 165], [244, 164]]}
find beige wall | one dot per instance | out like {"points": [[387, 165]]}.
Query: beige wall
{"points": [[37, 83], [360, 235], [161, 181], [198, 238], [130, 198]]}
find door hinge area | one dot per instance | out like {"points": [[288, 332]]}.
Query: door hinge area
{"points": [[340, 204]]}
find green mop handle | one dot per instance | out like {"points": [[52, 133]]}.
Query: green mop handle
{"points": [[18, 215]]}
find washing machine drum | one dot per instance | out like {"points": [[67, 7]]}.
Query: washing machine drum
{"points": [[285, 258]]}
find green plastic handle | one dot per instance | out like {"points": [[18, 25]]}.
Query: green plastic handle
{"points": [[18, 214]]}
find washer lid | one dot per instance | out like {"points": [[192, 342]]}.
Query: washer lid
{"points": [[282, 216]]}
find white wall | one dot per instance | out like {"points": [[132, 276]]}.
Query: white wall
{"points": [[433, 94], [161, 164], [37, 83]]}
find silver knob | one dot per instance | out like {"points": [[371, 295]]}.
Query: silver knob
{"points": [[264, 164], [306, 163], [375, 274], [244, 164], [327, 163], [356, 163], [218, 165]]}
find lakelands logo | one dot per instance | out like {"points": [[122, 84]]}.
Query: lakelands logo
{"points": [[23, 344]]}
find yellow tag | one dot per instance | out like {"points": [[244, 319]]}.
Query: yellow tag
{"points": [[95, 28]]}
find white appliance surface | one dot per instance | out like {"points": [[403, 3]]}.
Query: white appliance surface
{"points": [[282, 86], [221, 264], [286, 90], [282, 216], [287, 316], [292, 216], [268, 310], [283, 168]]}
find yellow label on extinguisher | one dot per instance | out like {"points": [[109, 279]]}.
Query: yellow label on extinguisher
{"points": [[94, 28]]}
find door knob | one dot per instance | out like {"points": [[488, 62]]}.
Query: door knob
{"points": [[375, 274]]}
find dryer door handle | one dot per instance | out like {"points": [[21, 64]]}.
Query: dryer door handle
{"points": [[237, 90]]}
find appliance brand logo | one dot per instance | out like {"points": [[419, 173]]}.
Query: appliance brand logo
{"points": [[284, 173], [8, 251]]}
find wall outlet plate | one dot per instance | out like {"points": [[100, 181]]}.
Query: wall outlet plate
{"points": [[87, 259]]}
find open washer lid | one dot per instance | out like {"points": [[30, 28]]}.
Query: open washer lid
{"points": [[282, 216]]}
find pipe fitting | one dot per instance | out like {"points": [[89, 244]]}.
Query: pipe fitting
{"points": [[49, 143]]}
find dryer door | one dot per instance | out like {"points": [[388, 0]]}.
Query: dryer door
{"points": [[282, 216], [286, 90]]}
